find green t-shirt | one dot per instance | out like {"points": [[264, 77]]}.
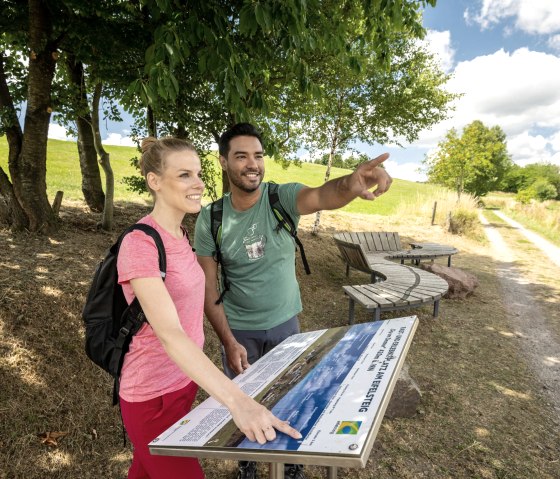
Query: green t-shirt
{"points": [[259, 261]]}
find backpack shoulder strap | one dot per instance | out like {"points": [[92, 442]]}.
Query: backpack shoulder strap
{"points": [[216, 217], [152, 232], [133, 316], [285, 221]]}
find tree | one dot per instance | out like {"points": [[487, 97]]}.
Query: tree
{"points": [[476, 162], [40, 32], [375, 100], [257, 56], [27, 151]]}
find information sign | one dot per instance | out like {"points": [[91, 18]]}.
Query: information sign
{"points": [[332, 385]]}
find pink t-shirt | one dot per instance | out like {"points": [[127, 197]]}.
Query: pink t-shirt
{"points": [[148, 371]]}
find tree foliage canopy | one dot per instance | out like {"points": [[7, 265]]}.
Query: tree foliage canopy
{"points": [[188, 68], [475, 162]]}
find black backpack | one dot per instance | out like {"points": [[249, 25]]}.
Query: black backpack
{"points": [[110, 322], [285, 221]]}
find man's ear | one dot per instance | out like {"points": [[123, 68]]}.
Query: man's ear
{"points": [[223, 162], [153, 181]]}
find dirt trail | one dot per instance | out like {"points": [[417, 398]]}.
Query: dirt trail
{"points": [[540, 344], [552, 251]]}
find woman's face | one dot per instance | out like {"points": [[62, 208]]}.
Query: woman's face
{"points": [[180, 186]]}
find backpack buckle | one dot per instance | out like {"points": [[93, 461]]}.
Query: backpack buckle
{"points": [[124, 331]]}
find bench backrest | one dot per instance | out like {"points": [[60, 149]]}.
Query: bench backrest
{"points": [[372, 240], [353, 254]]}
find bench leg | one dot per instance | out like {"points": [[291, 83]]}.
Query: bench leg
{"points": [[351, 311], [449, 261], [436, 308], [377, 314], [347, 270]]}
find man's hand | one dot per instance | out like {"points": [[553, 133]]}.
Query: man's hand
{"points": [[236, 357], [368, 175], [339, 192]]}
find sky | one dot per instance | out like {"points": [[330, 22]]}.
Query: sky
{"points": [[503, 57]]}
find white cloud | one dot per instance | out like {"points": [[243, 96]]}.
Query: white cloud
{"points": [[118, 139], [439, 44], [554, 42], [57, 132], [517, 91], [555, 141], [404, 171], [512, 90], [526, 148], [530, 16]]}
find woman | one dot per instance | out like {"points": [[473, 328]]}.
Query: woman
{"points": [[165, 361]]}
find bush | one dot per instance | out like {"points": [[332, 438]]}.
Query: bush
{"points": [[525, 196], [463, 222], [544, 189]]}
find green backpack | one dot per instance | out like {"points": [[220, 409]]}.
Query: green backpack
{"points": [[284, 222]]}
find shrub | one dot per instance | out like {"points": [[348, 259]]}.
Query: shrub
{"points": [[463, 222], [544, 189], [525, 196]]}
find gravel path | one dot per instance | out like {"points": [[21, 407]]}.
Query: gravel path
{"points": [[551, 250], [540, 346]]}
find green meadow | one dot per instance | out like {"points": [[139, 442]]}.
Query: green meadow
{"points": [[63, 173]]}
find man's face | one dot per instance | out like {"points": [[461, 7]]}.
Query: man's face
{"points": [[244, 163]]}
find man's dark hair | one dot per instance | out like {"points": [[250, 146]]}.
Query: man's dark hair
{"points": [[240, 129]]}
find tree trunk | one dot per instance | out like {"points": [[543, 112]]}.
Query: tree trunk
{"points": [[11, 212], [181, 132], [29, 170], [104, 160], [334, 145], [91, 177], [225, 180], [151, 122]]}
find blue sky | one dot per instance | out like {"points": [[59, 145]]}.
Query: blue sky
{"points": [[504, 57]]}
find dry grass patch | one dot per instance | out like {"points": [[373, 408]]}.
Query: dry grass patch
{"points": [[483, 414]]}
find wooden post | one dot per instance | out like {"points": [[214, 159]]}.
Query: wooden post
{"points": [[434, 213], [57, 202]]}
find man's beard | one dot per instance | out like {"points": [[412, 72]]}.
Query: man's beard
{"points": [[237, 181]]}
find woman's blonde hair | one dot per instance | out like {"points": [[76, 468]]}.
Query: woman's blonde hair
{"points": [[155, 151]]}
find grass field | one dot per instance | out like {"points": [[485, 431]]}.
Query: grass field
{"points": [[63, 173], [483, 414]]}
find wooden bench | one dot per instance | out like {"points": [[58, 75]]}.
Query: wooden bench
{"points": [[354, 255], [394, 286], [381, 242]]}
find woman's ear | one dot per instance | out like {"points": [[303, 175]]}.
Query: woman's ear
{"points": [[153, 181]]}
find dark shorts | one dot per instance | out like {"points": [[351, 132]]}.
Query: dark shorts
{"points": [[259, 342]]}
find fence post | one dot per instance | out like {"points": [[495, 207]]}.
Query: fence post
{"points": [[434, 213]]}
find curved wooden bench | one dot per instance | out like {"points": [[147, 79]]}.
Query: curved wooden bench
{"points": [[394, 286], [382, 241]]}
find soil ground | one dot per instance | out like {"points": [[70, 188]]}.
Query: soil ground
{"points": [[485, 412]]}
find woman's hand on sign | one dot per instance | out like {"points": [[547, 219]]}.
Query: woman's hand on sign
{"points": [[258, 423]]}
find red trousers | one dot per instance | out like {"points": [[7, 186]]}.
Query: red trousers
{"points": [[146, 420]]}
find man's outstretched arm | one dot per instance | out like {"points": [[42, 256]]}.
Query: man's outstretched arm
{"points": [[341, 191]]}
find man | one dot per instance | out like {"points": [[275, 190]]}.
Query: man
{"points": [[261, 305]]}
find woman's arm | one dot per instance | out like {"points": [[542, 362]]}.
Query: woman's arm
{"points": [[254, 420]]}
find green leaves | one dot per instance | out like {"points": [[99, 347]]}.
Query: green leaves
{"points": [[476, 162]]}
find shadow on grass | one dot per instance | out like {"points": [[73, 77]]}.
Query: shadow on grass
{"points": [[481, 416]]}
